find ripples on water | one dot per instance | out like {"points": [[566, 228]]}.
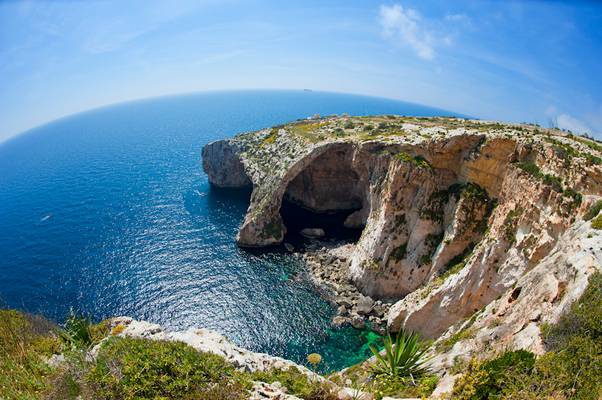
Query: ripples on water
{"points": [[109, 212]]}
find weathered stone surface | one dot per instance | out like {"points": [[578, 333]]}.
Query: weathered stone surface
{"points": [[364, 305], [353, 394], [222, 164], [273, 391]]}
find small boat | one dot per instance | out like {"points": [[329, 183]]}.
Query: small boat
{"points": [[46, 217]]}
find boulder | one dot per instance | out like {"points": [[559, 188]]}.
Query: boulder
{"points": [[357, 321], [313, 233], [353, 394], [364, 305]]}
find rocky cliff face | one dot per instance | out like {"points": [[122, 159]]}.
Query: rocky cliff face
{"points": [[459, 216]]}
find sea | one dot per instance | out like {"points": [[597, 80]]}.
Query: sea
{"points": [[108, 213]]}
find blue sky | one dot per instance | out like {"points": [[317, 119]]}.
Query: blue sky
{"points": [[530, 61]]}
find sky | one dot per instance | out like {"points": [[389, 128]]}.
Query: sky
{"points": [[519, 61]]}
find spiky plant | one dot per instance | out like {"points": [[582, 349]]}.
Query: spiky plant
{"points": [[404, 357], [77, 332]]}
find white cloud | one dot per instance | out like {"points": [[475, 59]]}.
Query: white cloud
{"points": [[572, 124], [405, 26]]}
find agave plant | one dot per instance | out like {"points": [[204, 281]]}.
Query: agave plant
{"points": [[404, 357], [77, 332]]}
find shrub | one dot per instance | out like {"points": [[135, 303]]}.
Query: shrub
{"points": [[399, 252], [128, 368], [25, 341], [571, 368], [487, 380], [404, 357], [418, 161], [394, 386], [533, 170], [583, 319], [447, 344], [510, 222], [77, 333], [597, 222], [593, 211]]}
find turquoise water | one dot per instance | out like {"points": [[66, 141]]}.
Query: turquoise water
{"points": [[109, 212]]}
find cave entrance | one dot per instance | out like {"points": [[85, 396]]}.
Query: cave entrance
{"points": [[327, 194]]}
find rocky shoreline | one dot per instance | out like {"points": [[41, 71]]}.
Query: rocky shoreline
{"points": [[327, 263]]}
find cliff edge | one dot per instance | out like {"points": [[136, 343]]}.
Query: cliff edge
{"points": [[469, 226]]}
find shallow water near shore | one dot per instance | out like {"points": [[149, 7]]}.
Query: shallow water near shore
{"points": [[109, 212]]}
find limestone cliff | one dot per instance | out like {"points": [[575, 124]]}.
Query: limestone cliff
{"points": [[458, 216]]}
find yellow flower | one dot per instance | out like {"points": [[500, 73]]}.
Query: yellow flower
{"points": [[314, 359], [117, 329]]}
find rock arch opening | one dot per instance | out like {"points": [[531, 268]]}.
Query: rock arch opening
{"points": [[326, 196]]}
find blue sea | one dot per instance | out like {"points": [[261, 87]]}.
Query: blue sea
{"points": [[109, 212]]}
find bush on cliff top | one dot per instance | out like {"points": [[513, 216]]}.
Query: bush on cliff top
{"points": [[571, 369], [25, 341], [597, 222], [125, 368], [128, 368], [593, 211]]}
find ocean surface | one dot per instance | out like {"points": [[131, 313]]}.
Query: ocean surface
{"points": [[109, 212]]}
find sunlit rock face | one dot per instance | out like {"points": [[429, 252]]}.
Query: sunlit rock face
{"points": [[455, 213], [222, 164]]}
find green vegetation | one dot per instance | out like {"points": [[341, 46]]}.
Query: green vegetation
{"points": [[476, 197], [555, 182], [418, 161], [567, 151], [78, 332], [271, 137], [471, 191], [297, 383], [399, 252], [589, 143], [463, 334], [349, 125], [597, 222], [308, 130], [533, 170], [454, 266], [571, 368], [273, 229], [593, 211], [433, 210], [128, 368], [487, 380], [591, 159], [400, 372], [25, 342], [510, 224], [404, 357], [399, 387], [575, 197]]}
